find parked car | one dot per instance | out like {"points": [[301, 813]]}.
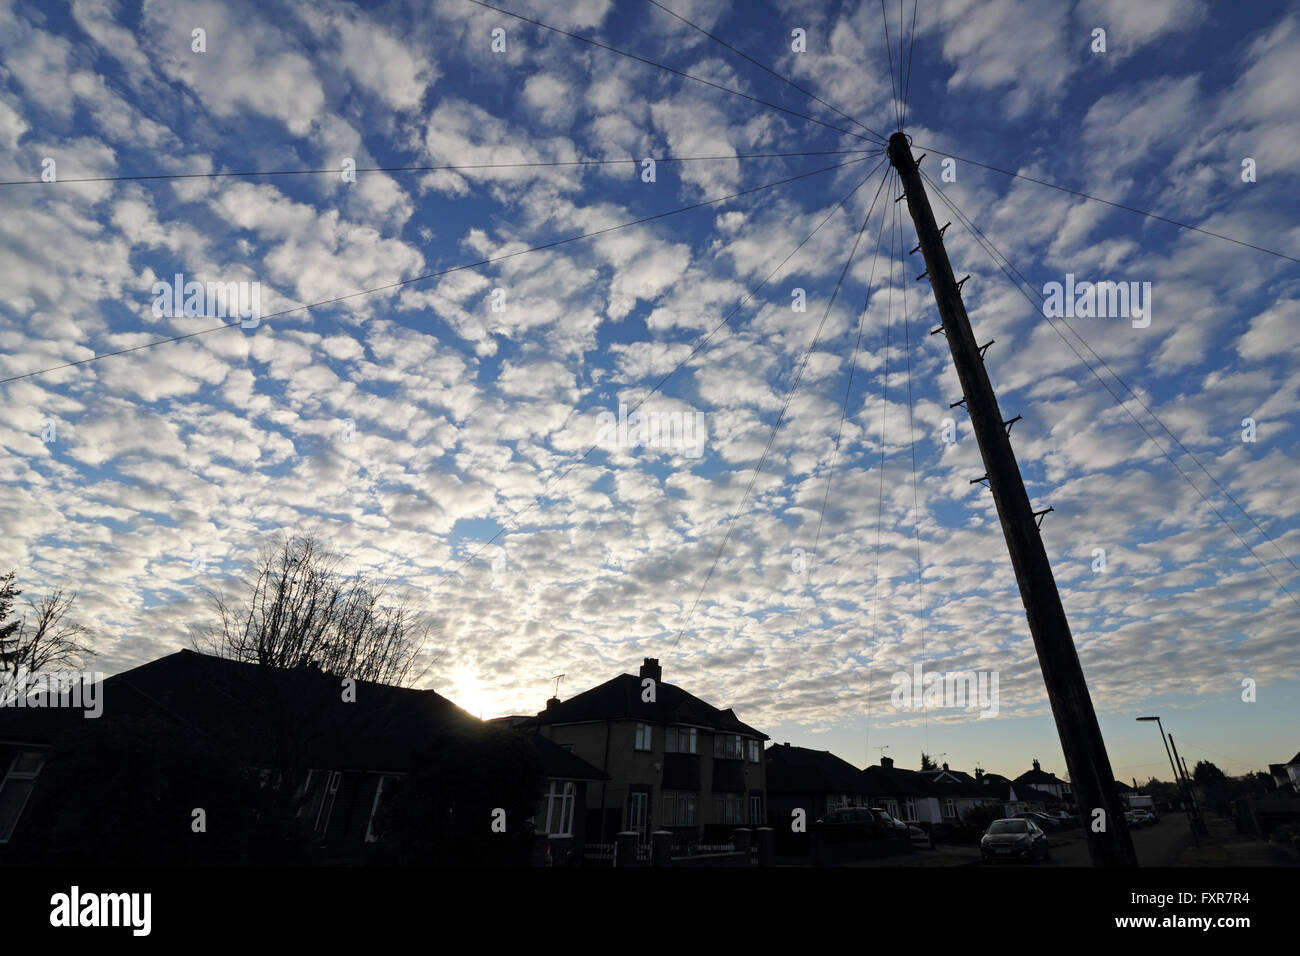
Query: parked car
{"points": [[1014, 838], [853, 824], [891, 821], [920, 838], [1046, 823], [1151, 816], [1135, 819]]}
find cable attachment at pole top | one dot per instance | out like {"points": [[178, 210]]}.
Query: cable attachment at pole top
{"points": [[1041, 514], [923, 275], [984, 479], [985, 347], [900, 198], [1007, 425], [963, 281], [937, 331], [961, 402]]}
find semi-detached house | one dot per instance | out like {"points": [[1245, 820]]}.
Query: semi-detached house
{"points": [[672, 760]]}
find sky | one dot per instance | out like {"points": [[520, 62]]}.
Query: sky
{"points": [[451, 420]]}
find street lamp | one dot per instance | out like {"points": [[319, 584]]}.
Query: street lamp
{"points": [[1178, 780]]}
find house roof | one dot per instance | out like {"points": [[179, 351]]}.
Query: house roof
{"points": [[561, 764], [951, 783], [996, 785], [621, 698], [1031, 795], [887, 780], [1294, 760], [264, 710], [800, 770], [1038, 778]]}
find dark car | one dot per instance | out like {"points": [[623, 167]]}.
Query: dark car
{"points": [[889, 821], [1014, 838], [1045, 823], [854, 824]]}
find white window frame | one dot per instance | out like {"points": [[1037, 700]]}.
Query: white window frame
{"points": [[680, 808], [729, 747], [327, 802], [564, 795], [755, 751], [646, 730], [380, 787], [909, 808], [21, 777], [949, 807], [674, 737]]}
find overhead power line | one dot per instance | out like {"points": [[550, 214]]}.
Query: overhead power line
{"points": [[431, 275], [1108, 202], [669, 69], [422, 169]]}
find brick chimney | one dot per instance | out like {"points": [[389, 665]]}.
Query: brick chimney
{"points": [[650, 668], [945, 766], [1036, 767], [551, 702], [979, 773], [886, 761]]}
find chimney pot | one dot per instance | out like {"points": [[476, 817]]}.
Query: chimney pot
{"points": [[1036, 766], [945, 766], [650, 668]]}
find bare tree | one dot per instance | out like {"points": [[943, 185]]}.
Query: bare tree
{"points": [[298, 607], [45, 637]]}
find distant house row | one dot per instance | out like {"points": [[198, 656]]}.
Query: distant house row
{"points": [[632, 754], [819, 782]]}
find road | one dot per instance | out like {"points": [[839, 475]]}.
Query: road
{"points": [[1158, 845]]}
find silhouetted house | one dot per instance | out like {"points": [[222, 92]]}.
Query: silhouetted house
{"points": [[673, 761], [1290, 778], [334, 747], [560, 822], [1040, 779], [1014, 797], [815, 781], [1286, 777], [955, 792], [901, 793]]}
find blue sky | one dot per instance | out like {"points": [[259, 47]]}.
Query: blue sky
{"points": [[410, 426]]}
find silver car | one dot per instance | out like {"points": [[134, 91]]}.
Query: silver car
{"points": [[1014, 838]]}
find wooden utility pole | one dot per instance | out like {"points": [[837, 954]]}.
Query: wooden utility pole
{"points": [[1076, 721]]}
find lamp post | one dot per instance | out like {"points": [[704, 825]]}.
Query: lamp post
{"points": [[1178, 779]]}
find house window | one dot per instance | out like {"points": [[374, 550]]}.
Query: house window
{"points": [[909, 808], [679, 808], [756, 809], [560, 799], [891, 807], [319, 792], [729, 746], [16, 788], [729, 808], [644, 737], [681, 740], [755, 751], [385, 781], [949, 807]]}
